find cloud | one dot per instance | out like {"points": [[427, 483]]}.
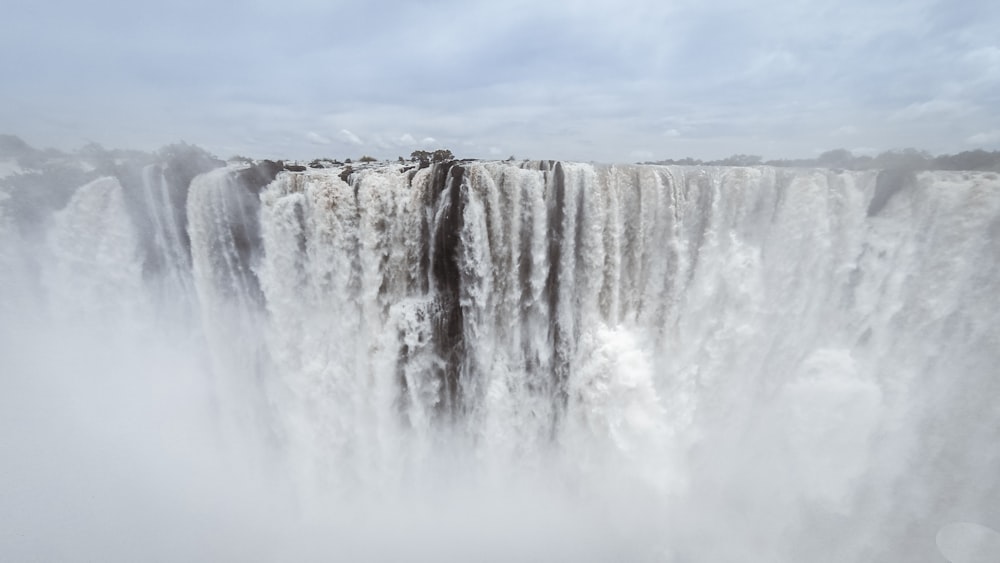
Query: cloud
{"points": [[769, 64], [845, 130], [350, 137], [318, 139], [987, 58], [932, 109], [985, 138], [592, 88]]}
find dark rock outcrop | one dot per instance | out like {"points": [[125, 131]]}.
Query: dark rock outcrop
{"points": [[887, 184]]}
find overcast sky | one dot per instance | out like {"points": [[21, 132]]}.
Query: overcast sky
{"points": [[588, 80]]}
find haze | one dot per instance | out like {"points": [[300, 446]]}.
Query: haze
{"points": [[592, 80]]}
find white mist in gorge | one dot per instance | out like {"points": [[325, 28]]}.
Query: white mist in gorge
{"points": [[485, 361]]}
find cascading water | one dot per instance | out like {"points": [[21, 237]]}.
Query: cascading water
{"points": [[499, 362]]}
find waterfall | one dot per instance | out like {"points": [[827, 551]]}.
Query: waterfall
{"points": [[504, 361], [94, 270]]}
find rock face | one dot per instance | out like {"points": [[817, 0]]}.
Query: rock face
{"points": [[447, 198], [345, 174], [259, 175], [888, 184]]}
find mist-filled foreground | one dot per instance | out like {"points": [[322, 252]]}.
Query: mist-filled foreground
{"points": [[501, 362]]}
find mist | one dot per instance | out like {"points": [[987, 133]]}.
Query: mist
{"points": [[496, 361]]}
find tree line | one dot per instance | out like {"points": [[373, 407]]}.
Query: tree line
{"points": [[905, 159]]}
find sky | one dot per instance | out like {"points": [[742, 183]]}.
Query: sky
{"points": [[606, 81]]}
